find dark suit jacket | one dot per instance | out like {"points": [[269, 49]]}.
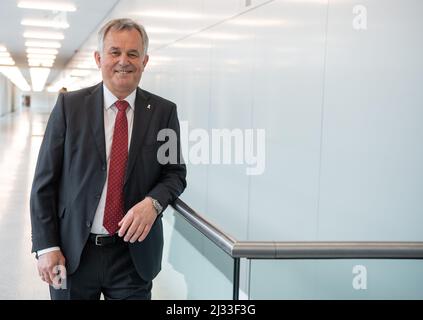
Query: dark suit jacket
{"points": [[71, 172]]}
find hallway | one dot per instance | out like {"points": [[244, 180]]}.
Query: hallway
{"points": [[20, 138]]}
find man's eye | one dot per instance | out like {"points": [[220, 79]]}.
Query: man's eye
{"points": [[133, 55], [114, 53]]}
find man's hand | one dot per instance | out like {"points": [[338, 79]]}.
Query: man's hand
{"points": [[137, 223], [47, 263]]}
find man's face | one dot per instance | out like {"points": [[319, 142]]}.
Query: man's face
{"points": [[122, 61]]}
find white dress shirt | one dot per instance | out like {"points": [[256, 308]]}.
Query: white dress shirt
{"points": [[110, 112]]}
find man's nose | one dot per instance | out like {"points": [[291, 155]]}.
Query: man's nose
{"points": [[123, 59]]}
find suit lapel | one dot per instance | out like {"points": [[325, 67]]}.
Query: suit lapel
{"points": [[95, 109], [142, 116]]}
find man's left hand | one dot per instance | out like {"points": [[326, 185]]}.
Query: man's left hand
{"points": [[137, 223]]}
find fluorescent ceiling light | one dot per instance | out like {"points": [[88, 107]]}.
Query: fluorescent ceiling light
{"points": [[7, 62], [15, 75], [40, 64], [45, 23], [38, 78], [44, 35], [43, 44], [42, 60], [41, 56], [5, 58], [44, 5], [42, 51]]}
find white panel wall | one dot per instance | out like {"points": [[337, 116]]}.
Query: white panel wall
{"points": [[6, 95], [288, 89], [372, 155]]}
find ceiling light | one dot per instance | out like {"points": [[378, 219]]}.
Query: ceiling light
{"points": [[41, 56], [45, 23], [16, 77], [43, 44], [41, 51], [44, 35], [7, 62], [41, 59], [52, 6], [5, 58], [38, 78], [40, 63]]}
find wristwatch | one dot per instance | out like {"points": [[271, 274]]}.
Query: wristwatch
{"points": [[157, 206]]}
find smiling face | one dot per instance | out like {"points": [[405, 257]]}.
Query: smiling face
{"points": [[122, 61]]}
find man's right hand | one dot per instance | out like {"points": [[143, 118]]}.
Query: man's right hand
{"points": [[47, 263]]}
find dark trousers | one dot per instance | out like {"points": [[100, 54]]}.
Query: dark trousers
{"points": [[104, 269]]}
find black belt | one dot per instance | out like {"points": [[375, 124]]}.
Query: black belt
{"points": [[102, 240]]}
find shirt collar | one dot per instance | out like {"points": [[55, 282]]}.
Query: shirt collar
{"points": [[110, 99]]}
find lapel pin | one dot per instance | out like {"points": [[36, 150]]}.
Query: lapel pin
{"points": [[149, 106]]}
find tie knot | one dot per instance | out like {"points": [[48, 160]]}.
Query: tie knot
{"points": [[121, 105]]}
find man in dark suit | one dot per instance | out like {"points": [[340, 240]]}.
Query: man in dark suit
{"points": [[99, 187]]}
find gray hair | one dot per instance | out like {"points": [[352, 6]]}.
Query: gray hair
{"points": [[122, 24]]}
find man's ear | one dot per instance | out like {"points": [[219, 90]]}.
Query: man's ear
{"points": [[97, 58], [144, 62]]}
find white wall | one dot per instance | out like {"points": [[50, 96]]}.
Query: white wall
{"points": [[6, 95]]}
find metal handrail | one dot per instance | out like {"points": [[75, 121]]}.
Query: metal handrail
{"points": [[295, 250], [298, 250]]}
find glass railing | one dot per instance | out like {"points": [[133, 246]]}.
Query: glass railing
{"points": [[346, 279], [193, 267], [210, 262]]}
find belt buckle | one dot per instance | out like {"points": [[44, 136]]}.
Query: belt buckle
{"points": [[97, 237]]}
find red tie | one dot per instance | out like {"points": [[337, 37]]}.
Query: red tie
{"points": [[114, 210]]}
